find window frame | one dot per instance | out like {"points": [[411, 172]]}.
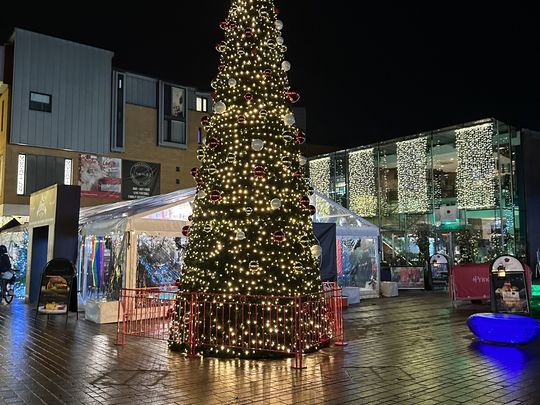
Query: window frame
{"points": [[167, 117], [118, 121], [32, 105]]}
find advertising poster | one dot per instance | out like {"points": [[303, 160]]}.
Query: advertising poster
{"points": [[510, 293], [100, 177], [140, 179], [408, 277], [54, 294], [177, 103]]}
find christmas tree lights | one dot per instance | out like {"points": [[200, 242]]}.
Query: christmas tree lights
{"points": [[475, 167], [251, 230], [362, 187], [412, 166]]}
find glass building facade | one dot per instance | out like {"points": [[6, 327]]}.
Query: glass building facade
{"points": [[455, 191]]}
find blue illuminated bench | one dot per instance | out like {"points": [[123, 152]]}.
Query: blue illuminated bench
{"points": [[504, 328]]}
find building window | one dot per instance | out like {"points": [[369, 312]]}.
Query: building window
{"points": [[202, 104], [2, 117], [40, 102], [173, 116], [200, 137], [21, 174], [119, 113]]}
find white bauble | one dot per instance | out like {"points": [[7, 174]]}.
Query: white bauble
{"points": [[286, 65], [201, 194], [279, 24], [240, 235], [302, 160], [257, 144], [280, 40], [220, 107], [253, 265], [289, 119], [298, 266], [316, 251], [232, 82], [275, 203]]}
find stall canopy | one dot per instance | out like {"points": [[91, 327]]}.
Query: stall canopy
{"points": [[161, 214], [114, 238], [357, 246]]}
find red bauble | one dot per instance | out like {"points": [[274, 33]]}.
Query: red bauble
{"points": [[293, 96], [185, 230], [248, 32], [213, 143], [276, 10], [253, 51], [215, 195], [248, 96], [268, 72], [241, 119], [312, 210], [300, 137], [297, 174], [278, 236], [259, 172], [195, 172], [224, 25], [222, 67], [205, 121], [232, 25], [213, 95], [200, 184], [304, 201]]}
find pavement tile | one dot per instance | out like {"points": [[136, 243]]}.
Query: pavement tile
{"points": [[412, 349]]}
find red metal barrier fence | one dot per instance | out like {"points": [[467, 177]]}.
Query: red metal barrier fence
{"points": [[239, 324]]}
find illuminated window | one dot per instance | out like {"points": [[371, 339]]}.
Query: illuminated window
{"points": [[202, 104]]}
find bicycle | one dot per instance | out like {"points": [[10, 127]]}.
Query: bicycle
{"points": [[7, 286]]}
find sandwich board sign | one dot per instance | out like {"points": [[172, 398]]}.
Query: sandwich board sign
{"points": [[57, 293]]}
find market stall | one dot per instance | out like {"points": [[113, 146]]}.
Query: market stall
{"points": [[357, 245], [130, 244]]}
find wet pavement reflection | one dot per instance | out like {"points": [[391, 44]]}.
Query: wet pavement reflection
{"points": [[411, 349]]}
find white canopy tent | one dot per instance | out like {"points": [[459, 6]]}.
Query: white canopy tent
{"points": [[358, 258], [111, 236]]}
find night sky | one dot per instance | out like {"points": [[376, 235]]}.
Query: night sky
{"points": [[365, 72]]}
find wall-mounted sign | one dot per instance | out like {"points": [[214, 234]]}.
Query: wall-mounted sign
{"points": [[100, 177], [140, 179]]}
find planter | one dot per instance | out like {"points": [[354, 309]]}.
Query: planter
{"points": [[101, 311]]}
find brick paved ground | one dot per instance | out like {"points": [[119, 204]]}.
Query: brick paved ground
{"points": [[412, 349]]}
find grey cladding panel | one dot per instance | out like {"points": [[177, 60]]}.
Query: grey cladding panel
{"points": [[77, 77], [43, 171], [140, 91]]}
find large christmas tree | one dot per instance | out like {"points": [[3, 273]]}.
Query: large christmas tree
{"points": [[251, 230]]}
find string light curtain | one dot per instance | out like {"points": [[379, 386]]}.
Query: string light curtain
{"points": [[319, 173], [362, 187], [475, 167], [412, 163]]}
